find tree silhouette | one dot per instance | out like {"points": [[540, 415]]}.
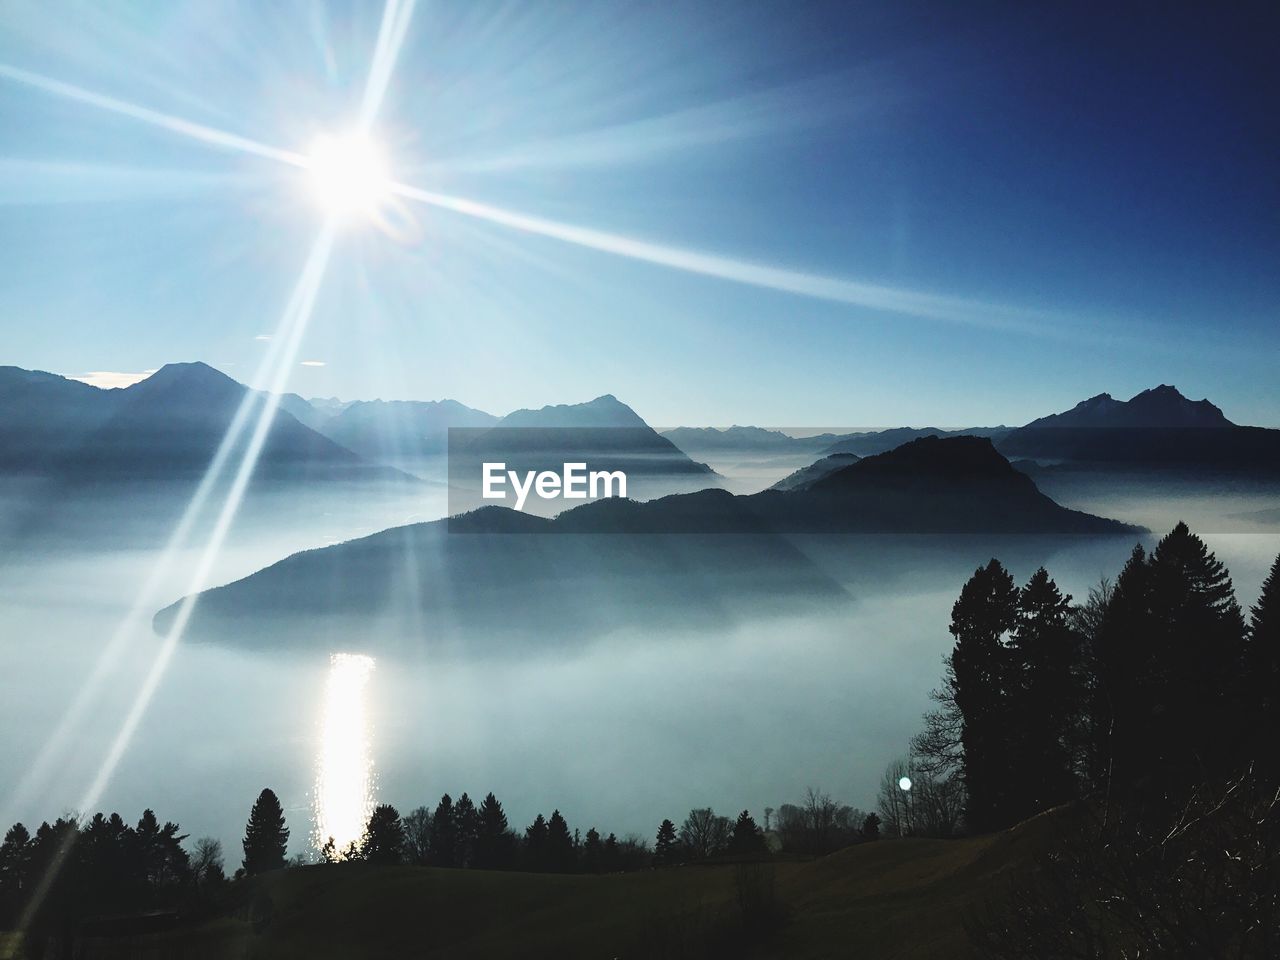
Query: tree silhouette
{"points": [[747, 838], [384, 836], [535, 845], [703, 833], [980, 618], [444, 834], [666, 848], [1044, 699], [417, 836], [592, 852], [467, 828], [265, 837], [871, 827], [1262, 674], [560, 847]]}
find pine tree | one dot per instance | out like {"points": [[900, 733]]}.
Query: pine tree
{"points": [[1044, 699], [384, 836], [467, 827], [535, 845], [747, 838], [494, 842], [871, 827], [1262, 673], [666, 848], [592, 852], [980, 618], [265, 837], [1200, 631], [444, 834], [560, 851]]}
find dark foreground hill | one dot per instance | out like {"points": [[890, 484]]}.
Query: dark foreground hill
{"points": [[906, 899]]}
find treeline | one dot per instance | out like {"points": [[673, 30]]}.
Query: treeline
{"points": [[1151, 708], [1153, 686]]}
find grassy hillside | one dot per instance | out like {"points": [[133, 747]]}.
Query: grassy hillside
{"points": [[893, 898]]}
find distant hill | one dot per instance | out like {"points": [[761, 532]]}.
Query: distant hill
{"points": [[872, 442], [1158, 428], [495, 573], [604, 432], [805, 477], [399, 429], [495, 578], [699, 441], [166, 426], [930, 485]]}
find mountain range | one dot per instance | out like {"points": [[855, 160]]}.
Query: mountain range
{"points": [[598, 566]]}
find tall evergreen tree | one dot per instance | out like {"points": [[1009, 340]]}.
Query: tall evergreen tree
{"points": [[592, 852], [1262, 676], [535, 845], [265, 837], [384, 836], [467, 827], [444, 834], [980, 618], [747, 838], [666, 848], [1200, 630], [561, 855], [1044, 699], [494, 845]]}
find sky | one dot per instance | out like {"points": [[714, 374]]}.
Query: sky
{"points": [[771, 213]]}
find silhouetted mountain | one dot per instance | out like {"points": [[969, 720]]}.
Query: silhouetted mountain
{"points": [[872, 442], [806, 476], [304, 411], [1159, 407], [930, 485], [604, 433], [494, 572], [478, 581], [698, 441], [400, 429], [1158, 428], [167, 426]]}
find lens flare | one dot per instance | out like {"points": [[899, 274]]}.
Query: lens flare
{"points": [[348, 175], [344, 766]]}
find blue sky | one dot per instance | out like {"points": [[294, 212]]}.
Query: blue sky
{"points": [[978, 215]]}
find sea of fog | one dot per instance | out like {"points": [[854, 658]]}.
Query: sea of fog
{"points": [[618, 733]]}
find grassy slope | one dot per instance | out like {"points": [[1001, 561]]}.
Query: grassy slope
{"points": [[894, 898]]}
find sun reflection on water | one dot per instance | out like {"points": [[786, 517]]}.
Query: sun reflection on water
{"points": [[344, 765]]}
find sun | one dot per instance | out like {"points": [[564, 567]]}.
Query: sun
{"points": [[348, 175]]}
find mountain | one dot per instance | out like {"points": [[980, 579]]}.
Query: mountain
{"points": [[698, 441], [604, 432], [1161, 407], [929, 485], [495, 577], [492, 574], [805, 477], [1156, 429], [872, 442], [400, 429], [166, 426]]}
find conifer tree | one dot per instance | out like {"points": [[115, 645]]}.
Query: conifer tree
{"points": [[560, 847], [1262, 675], [535, 844], [384, 836], [666, 847], [1044, 699], [467, 827], [265, 837], [980, 618], [444, 834], [747, 838]]}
